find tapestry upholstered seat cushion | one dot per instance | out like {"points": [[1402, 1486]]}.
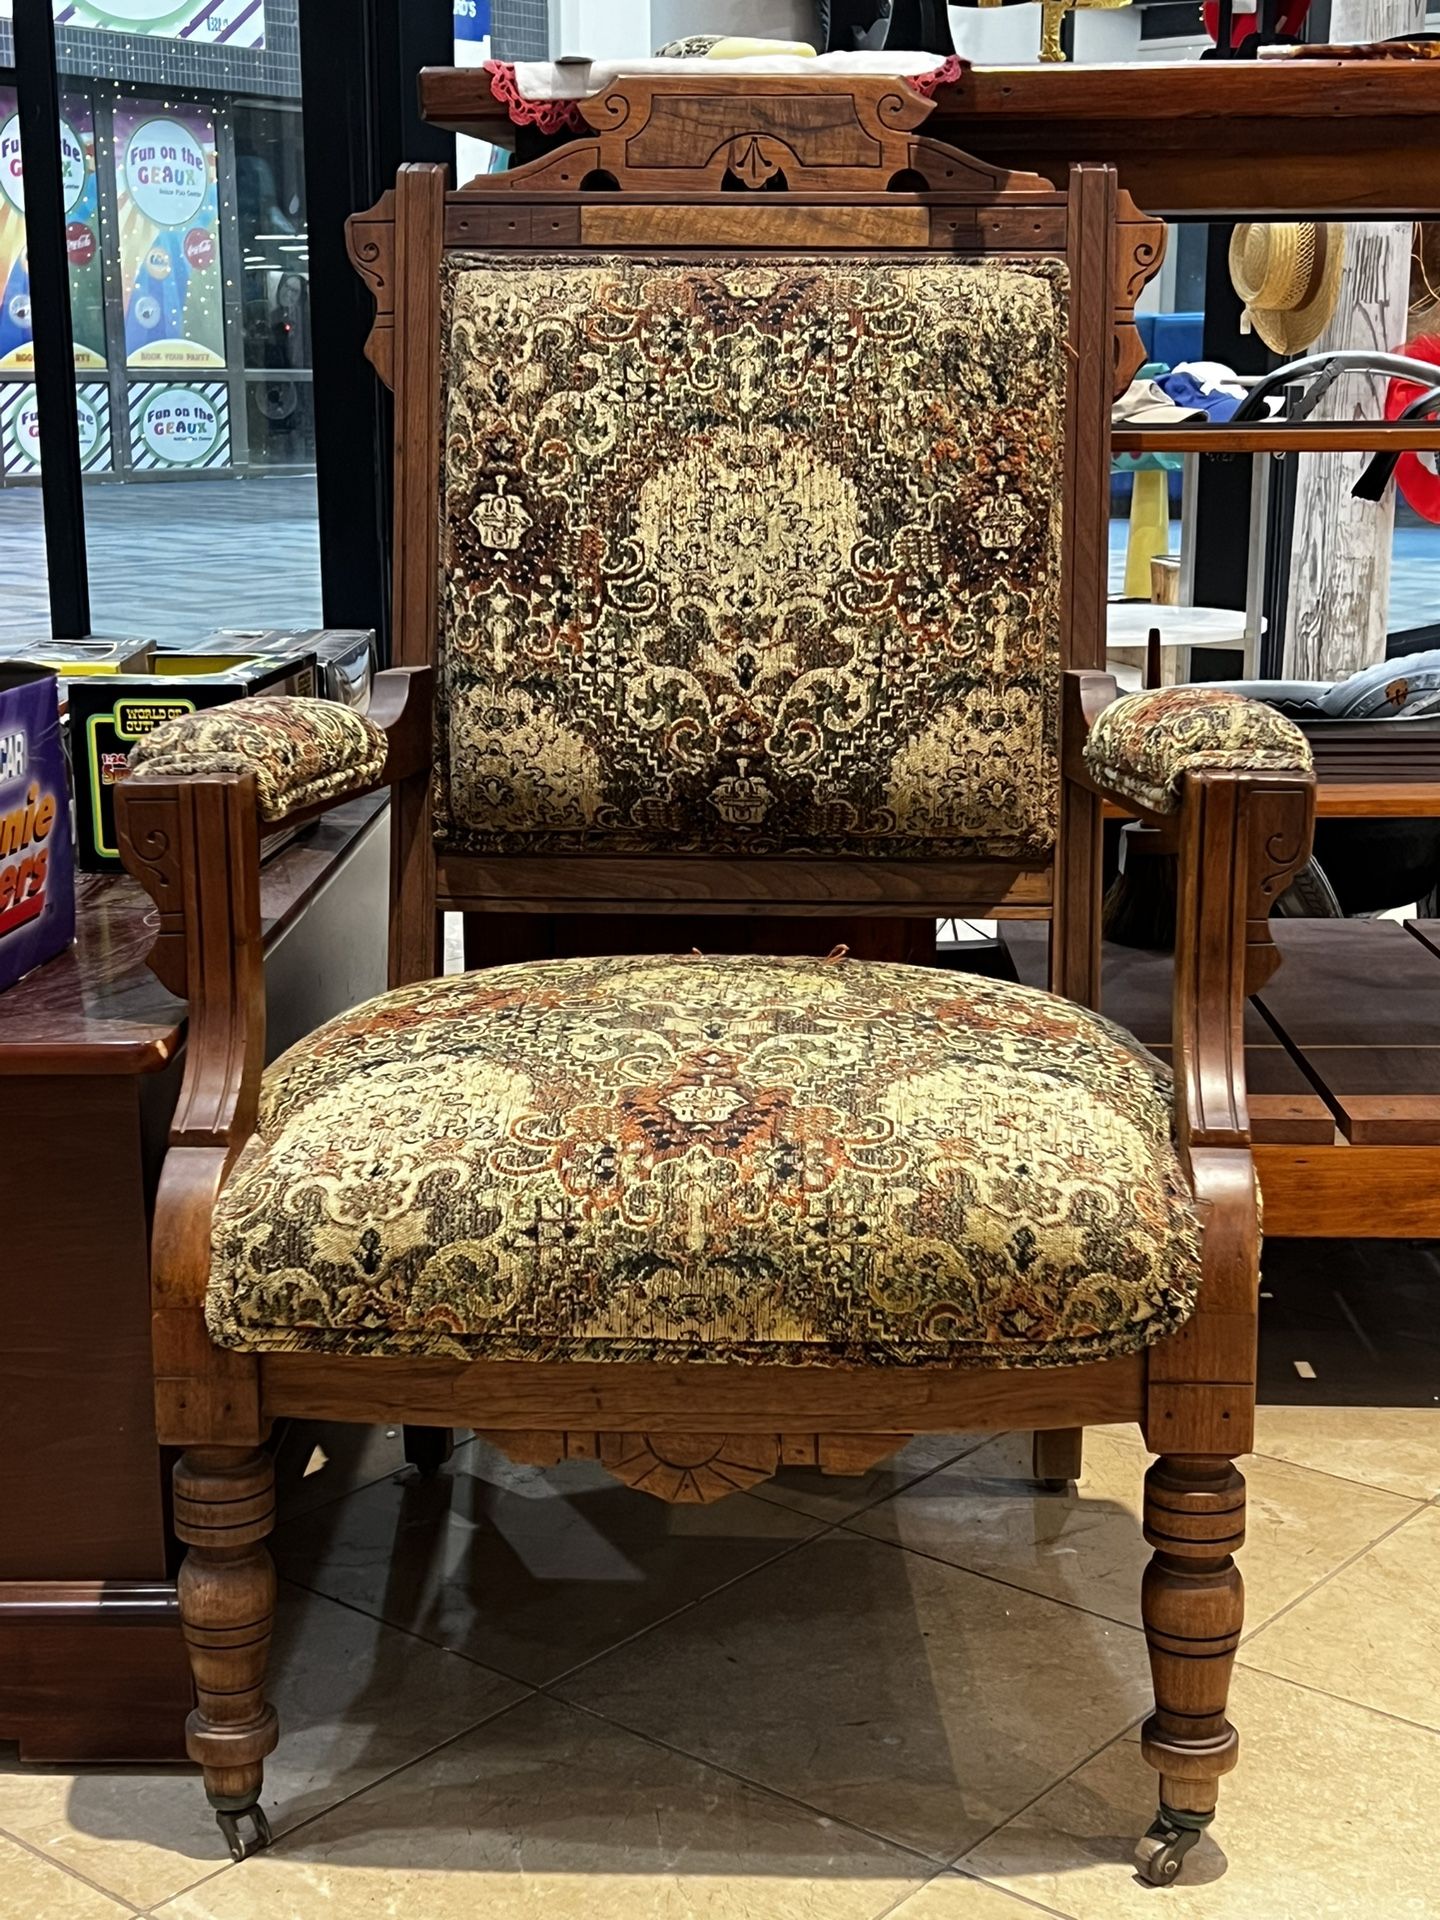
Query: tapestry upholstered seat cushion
{"points": [[799, 1161], [751, 557]]}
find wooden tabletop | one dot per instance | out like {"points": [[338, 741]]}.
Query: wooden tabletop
{"points": [[1244, 138], [1281, 436], [98, 1009], [1202, 138]]}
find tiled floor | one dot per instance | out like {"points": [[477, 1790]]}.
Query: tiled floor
{"points": [[518, 1692]]}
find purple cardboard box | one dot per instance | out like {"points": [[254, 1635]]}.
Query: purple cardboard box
{"points": [[37, 868]]}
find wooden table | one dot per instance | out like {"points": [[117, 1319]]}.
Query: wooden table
{"points": [[1129, 624], [1214, 139], [91, 1662], [1342, 1062], [1205, 140]]}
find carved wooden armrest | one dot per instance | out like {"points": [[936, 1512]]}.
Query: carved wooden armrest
{"points": [[189, 819], [1230, 783], [1140, 748], [305, 755]]}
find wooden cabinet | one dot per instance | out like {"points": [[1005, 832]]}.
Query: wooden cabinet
{"points": [[91, 1661]]}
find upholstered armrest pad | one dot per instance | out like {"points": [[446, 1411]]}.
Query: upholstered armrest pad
{"points": [[1143, 745], [300, 751]]}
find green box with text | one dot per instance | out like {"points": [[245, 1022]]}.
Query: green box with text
{"points": [[109, 714]]}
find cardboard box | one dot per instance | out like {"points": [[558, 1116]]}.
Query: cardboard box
{"points": [[70, 657], [344, 656], [109, 713], [37, 875]]}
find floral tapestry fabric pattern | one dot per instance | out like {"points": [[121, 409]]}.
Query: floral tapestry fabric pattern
{"points": [[1143, 745], [757, 557], [301, 751], [799, 1161]]}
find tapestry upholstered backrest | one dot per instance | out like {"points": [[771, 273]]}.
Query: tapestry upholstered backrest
{"points": [[751, 556], [739, 449]]}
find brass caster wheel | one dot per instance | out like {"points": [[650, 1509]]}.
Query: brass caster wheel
{"points": [[1161, 1854], [228, 1820]]}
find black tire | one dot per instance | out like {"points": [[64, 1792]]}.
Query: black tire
{"points": [[1309, 896]]}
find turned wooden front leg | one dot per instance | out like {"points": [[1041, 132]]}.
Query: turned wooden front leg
{"points": [[224, 1508], [1193, 1604]]}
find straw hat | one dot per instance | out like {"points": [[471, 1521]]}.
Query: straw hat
{"points": [[1288, 275]]}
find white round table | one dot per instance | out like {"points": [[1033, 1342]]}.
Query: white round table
{"points": [[1129, 624]]}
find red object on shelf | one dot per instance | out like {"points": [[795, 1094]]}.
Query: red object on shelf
{"points": [[1244, 25], [1417, 481]]}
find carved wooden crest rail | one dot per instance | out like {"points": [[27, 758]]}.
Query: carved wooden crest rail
{"points": [[857, 136], [781, 158]]}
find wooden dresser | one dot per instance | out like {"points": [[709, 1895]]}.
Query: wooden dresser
{"points": [[91, 1661]]}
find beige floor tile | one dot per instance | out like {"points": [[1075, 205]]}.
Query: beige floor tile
{"points": [[828, 1496], [1372, 1634], [36, 1889], [956, 1896], [1085, 1546], [549, 1812], [524, 1569], [887, 1689], [1394, 1447], [1329, 1816], [355, 1700]]}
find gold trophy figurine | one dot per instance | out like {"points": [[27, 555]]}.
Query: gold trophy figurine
{"points": [[1053, 12]]}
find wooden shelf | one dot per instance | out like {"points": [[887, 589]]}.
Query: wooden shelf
{"points": [[1300, 436], [1378, 800], [1342, 1064], [1201, 139], [1354, 800], [1210, 139]]}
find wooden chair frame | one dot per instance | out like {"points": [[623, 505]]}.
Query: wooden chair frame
{"points": [[668, 167]]}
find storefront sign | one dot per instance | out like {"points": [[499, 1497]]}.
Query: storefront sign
{"points": [[472, 19], [20, 428], [77, 157], [25, 428], [179, 426], [169, 244], [12, 173], [472, 49], [165, 172], [230, 23]]}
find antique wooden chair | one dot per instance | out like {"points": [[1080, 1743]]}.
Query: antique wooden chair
{"points": [[750, 557]]}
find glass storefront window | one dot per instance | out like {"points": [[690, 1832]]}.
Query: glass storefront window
{"points": [[275, 278], [82, 236], [274, 246], [168, 213], [280, 421], [201, 310]]}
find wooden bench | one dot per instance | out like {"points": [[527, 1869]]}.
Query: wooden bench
{"points": [[1342, 1060]]}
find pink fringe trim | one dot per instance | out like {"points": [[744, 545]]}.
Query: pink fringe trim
{"points": [[549, 116], [925, 84], [564, 116]]}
